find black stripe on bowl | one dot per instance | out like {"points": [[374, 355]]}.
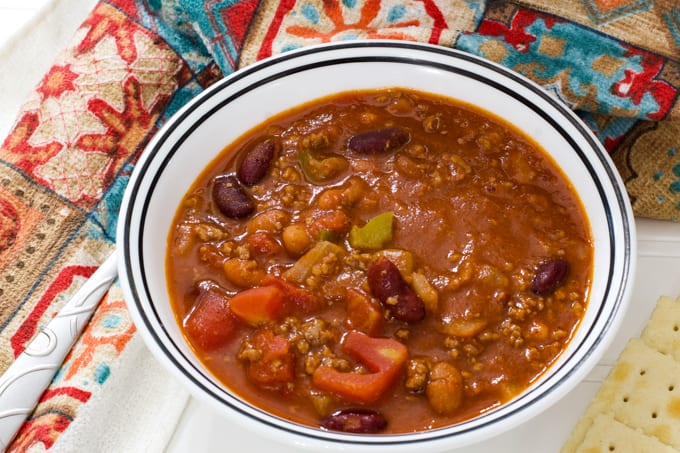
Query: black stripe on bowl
{"points": [[139, 284]]}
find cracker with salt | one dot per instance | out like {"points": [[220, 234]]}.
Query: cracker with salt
{"points": [[642, 391], [607, 435], [662, 332]]}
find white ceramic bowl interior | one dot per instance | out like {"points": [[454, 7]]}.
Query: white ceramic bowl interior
{"points": [[193, 137]]}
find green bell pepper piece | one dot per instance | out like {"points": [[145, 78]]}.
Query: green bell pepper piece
{"points": [[375, 234]]}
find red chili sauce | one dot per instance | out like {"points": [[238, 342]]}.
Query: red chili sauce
{"points": [[382, 261]]}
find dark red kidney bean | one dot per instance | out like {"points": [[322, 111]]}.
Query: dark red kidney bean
{"points": [[409, 307], [364, 421], [256, 162], [549, 276], [378, 141], [390, 288], [384, 279], [230, 197]]}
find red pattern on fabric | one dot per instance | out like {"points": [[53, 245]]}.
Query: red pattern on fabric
{"points": [[129, 7], [56, 81], [26, 156], [368, 22], [516, 34], [134, 118], [636, 84], [46, 427], [73, 392], [103, 24], [439, 21], [610, 143], [10, 224], [236, 19], [29, 327], [284, 8]]}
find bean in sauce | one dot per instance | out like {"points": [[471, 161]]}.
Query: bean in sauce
{"points": [[381, 261]]}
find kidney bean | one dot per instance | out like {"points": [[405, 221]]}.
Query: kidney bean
{"points": [[256, 162], [378, 141], [390, 288], [549, 276], [230, 197], [359, 420]]}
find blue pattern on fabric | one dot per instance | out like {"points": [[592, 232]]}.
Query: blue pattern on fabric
{"points": [[672, 20], [581, 48], [396, 13], [627, 9], [219, 41], [105, 215], [167, 19], [478, 6], [613, 128], [311, 13], [101, 373]]}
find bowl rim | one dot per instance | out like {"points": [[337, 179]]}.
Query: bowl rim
{"points": [[133, 281]]}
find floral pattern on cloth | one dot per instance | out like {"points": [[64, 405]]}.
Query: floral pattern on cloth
{"points": [[65, 165], [133, 63]]}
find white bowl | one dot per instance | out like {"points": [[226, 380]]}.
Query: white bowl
{"points": [[192, 138]]}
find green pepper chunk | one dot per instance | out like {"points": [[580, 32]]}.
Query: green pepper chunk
{"points": [[375, 234]]}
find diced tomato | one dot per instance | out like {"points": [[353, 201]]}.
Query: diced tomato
{"points": [[276, 365], [364, 313], [384, 357], [258, 305], [334, 222], [211, 323], [355, 387], [377, 354], [262, 244], [296, 298]]}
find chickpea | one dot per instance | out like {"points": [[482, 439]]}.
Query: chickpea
{"points": [[445, 388], [355, 188], [330, 198], [352, 191], [295, 239], [243, 273], [271, 221]]}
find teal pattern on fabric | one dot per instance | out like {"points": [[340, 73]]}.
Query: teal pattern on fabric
{"points": [[311, 13], [610, 132], [672, 20], [215, 31], [675, 185], [101, 373], [396, 13], [105, 214], [179, 99], [627, 9], [111, 321], [168, 20], [581, 48], [478, 6]]}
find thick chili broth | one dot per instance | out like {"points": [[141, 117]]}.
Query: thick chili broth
{"points": [[479, 209]]}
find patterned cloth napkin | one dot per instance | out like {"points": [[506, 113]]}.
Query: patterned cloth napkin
{"points": [[133, 63]]}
